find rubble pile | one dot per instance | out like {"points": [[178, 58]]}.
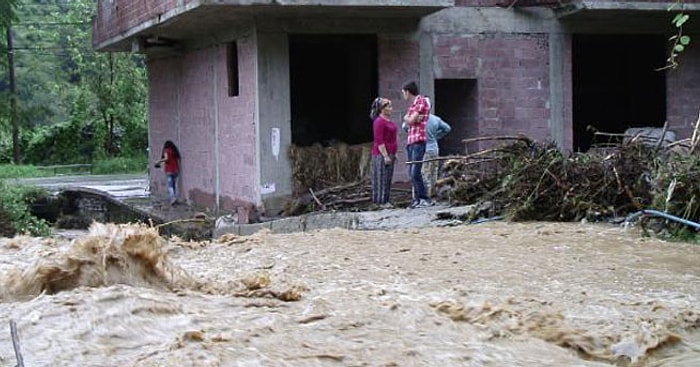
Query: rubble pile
{"points": [[528, 180]]}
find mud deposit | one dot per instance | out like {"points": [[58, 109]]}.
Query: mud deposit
{"points": [[493, 294]]}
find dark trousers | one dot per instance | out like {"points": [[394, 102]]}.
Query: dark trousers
{"points": [[381, 179], [415, 152]]}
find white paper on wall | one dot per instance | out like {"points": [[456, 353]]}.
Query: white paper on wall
{"points": [[267, 188], [275, 142]]}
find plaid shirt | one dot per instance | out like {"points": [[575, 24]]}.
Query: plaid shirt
{"points": [[416, 131]]}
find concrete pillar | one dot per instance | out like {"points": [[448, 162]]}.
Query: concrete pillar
{"points": [[274, 132], [556, 85], [427, 74]]}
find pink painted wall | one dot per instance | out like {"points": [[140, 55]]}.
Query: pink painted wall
{"points": [[237, 141], [190, 94], [163, 86], [512, 73]]}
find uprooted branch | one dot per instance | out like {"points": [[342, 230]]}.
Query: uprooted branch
{"points": [[15, 343]]}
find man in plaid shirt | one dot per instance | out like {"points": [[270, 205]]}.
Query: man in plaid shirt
{"points": [[415, 119]]}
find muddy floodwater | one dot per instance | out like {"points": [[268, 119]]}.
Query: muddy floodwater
{"points": [[492, 294]]}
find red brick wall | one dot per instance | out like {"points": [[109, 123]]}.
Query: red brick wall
{"points": [[683, 92], [118, 16], [512, 73], [398, 64]]}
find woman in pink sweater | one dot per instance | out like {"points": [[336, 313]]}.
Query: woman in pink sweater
{"points": [[384, 149]]}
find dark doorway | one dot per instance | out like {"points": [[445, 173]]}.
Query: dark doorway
{"points": [[456, 103], [333, 81], [616, 85]]}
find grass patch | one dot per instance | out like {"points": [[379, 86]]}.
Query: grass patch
{"points": [[102, 167], [120, 165], [20, 171]]}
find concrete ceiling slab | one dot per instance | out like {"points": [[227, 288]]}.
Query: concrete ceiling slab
{"points": [[212, 17]]}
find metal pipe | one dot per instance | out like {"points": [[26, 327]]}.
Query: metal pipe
{"points": [[657, 213]]}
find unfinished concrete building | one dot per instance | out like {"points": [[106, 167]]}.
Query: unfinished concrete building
{"points": [[235, 82]]}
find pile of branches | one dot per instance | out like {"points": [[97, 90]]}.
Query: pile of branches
{"points": [[356, 196], [529, 180]]}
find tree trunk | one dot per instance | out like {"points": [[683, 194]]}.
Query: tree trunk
{"points": [[13, 98]]}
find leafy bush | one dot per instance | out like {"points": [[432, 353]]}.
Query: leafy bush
{"points": [[135, 139], [56, 144], [15, 202]]}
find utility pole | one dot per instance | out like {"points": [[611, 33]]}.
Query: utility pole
{"points": [[13, 97]]}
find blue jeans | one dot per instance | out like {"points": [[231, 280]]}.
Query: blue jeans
{"points": [[172, 182], [415, 152]]}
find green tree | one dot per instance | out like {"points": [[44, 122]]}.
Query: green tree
{"points": [[96, 102], [115, 81], [8, 15]]}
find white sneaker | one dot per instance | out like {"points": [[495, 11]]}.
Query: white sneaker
{"points": [[423, 204]]}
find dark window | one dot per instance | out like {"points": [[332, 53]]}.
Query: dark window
{"points": [[233, 87]]}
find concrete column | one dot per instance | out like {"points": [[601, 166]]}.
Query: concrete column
{"points": [[427, 73], [214, 116], [274, 130], [556, 88]]}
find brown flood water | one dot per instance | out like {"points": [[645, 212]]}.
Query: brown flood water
{"points": [[494, 294]]}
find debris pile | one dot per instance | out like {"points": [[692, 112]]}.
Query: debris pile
{"points": [[529, 180]]}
